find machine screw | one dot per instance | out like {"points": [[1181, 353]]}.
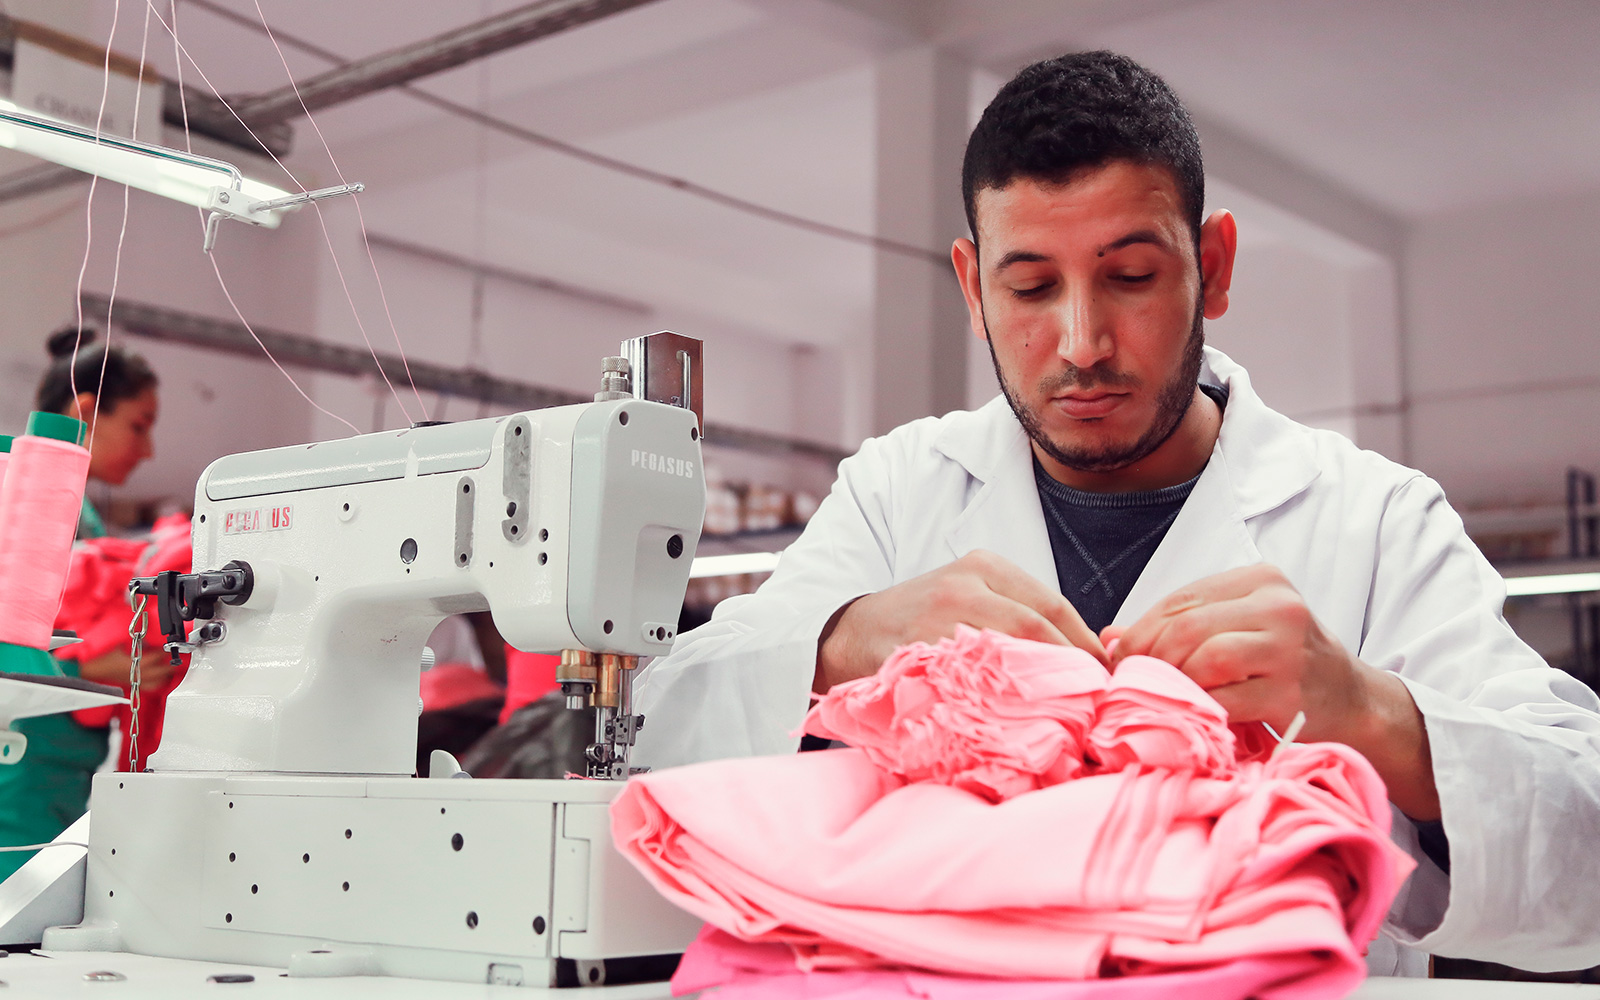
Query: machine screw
{"points": [[615, 379]]}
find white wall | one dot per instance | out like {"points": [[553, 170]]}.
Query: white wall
{"points": [[1502, 305], [214, 403], [210, 403]]}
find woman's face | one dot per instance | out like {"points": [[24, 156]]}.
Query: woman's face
{"points": [[119, 438]]}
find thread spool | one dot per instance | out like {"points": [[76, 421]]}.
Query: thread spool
{"points": [[5, 456], [40, 500]]}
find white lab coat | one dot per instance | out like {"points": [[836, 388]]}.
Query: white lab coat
{"points": [[1380, 558]]}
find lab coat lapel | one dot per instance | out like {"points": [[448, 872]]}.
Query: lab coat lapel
{"points": [[1209, 537], [1261, 461], [1004, 515]]}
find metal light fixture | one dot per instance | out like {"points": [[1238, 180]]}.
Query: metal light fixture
{"points": [[1552, 583], [733, 565], [216, 186]]}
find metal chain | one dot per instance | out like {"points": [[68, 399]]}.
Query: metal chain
{"points": [[136, 630]]}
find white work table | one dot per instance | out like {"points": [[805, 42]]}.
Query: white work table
{"points": [[61, 974]]}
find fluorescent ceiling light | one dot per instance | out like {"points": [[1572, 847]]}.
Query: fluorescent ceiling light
{"points": [[1516, 586], [1555, 583], [742, 562], [170, 173]]}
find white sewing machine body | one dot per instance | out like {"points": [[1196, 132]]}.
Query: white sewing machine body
{"points": [[556, 521], [279, 824], [341, 876]]}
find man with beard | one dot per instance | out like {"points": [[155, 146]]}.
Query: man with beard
{"points": [[1131, 485]]}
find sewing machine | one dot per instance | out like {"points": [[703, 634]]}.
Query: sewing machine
{"points": [[279, 823]]}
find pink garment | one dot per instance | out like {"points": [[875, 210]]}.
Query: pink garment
{"points": [[95, 605], [741, 970], [1010, 809]]}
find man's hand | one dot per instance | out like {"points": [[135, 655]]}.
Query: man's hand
{"points": [[980, 589], [1248, 638]]}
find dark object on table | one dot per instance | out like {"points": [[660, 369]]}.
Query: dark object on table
{"points": [[542, 739]]}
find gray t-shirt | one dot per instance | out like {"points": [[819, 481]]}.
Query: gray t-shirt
{"points": [[1102, 541]]}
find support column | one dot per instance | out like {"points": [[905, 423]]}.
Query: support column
{"points": [[920, 332]]}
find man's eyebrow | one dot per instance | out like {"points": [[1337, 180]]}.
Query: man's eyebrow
{"points": [[1021, 257], [1137, 236]]}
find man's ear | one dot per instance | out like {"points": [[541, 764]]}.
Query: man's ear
{"points": [[964, 257], [1219, 242]]}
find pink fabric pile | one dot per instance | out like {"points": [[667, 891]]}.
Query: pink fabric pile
{"points": [[1008, 809]]}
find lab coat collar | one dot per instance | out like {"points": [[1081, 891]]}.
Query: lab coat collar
{"points": [[1262, 460], [1273, 459], [1004, 515]]}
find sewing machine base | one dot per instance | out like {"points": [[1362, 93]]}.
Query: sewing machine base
{"points": [[501, 881]]}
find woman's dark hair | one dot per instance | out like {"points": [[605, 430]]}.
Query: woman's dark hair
{"points": [[1077, 112], [111, 373]]}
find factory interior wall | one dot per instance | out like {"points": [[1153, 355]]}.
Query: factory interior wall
{"points": [[214, 403], [211, 403], [444, 313], [1503, 370]]}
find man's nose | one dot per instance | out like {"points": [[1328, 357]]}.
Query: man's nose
{"points": [[1085, 331]]}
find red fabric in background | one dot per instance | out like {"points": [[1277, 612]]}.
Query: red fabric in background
{"points": [[449, 685], [95, 605], [529, 677]]}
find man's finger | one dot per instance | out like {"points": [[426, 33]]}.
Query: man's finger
{"points": [[1176, 638], [1011, 581], [1222, 586], [1012, 618], [1255, 700], [1228, 658], [1229, 586]]}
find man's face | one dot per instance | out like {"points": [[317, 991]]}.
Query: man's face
{"points": [[1091, 297]]}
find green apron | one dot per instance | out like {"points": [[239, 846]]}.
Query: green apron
{"points": [[46, 791]]}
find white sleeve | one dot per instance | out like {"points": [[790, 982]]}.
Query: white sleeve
{"points": [[740, 685], [1515, 746]]}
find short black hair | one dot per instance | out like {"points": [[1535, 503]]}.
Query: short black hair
{"points": [[111, 373], [1077, 112]]}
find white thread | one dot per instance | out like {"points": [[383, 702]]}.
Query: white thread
{"points": [[327, 238], [183, 53], [40, 847], [362, 221], [88, 222], [229, 296], [1295, 725], [122, 234]]}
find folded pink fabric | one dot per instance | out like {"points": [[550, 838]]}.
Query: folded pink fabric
{"points": [[1009, 809], [741, 970]]}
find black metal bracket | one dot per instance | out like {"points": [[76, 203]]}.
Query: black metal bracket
{"points": [[1583, 542], [185, 597]]}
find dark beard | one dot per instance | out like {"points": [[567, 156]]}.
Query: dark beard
{"points": [[1171, 405]]}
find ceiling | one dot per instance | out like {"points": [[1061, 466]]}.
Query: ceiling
{"points": [[1410, 107]]}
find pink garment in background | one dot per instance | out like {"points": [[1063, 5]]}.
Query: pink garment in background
{"points": [[451, 685], [95, 605], [1010, 809], [529, 677]]}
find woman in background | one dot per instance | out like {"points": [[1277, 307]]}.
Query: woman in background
{"points": [[47, 790], [125, 388]]}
